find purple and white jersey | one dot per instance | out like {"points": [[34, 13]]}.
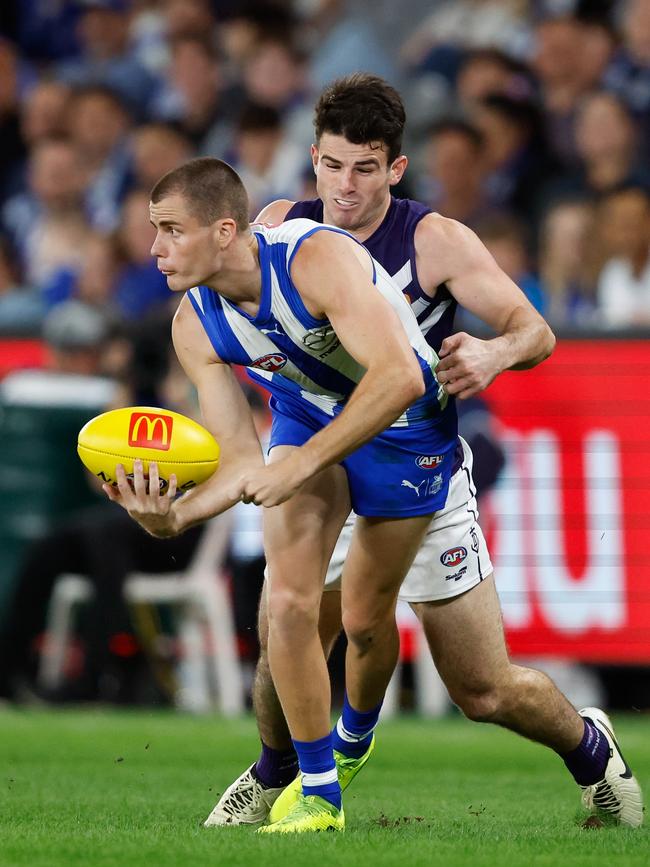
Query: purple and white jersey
{"points": [[392, 245]]}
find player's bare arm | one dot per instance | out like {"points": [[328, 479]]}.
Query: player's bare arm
{"points": [[449, 252], [333, 275], [228, 418]]}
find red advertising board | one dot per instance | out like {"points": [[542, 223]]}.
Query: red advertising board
{"points": [[569, 524]]}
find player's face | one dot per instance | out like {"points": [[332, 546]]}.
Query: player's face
{"points": [[186, 252], [354, 181]]}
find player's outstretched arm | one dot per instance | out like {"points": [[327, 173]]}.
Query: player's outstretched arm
{"points": [[228, 418], [449, 252], [334, 277]]}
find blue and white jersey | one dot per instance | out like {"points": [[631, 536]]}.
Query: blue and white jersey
{"points": [[297, 357], [393, 244]]}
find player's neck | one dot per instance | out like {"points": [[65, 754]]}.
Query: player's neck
{"points": [[239, 278], [362, 233]]}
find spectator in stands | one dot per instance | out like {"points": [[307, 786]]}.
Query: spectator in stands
{"points": [[156, 148], [46, 223], [489, 71], [93, 280], [43, 111], [140, 287], [105, 58], [12, 147], [556, 62], [454, 171], [275, 75], [607, 143], [455, 25], [270, 164], [189, 18], [628, 74], [598, 41], [99, 126], [624, 282], [21, 309], [565, 262], [195, 96], [343, 39], [518, 165]]}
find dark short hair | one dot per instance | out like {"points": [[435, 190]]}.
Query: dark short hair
{"points": [[211, 188], [363, 108]]}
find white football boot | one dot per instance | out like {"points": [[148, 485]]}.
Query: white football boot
{"points": [[618, 793], [245, 802]]}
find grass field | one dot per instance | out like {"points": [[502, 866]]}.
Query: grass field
{"points": [[109, 788]]}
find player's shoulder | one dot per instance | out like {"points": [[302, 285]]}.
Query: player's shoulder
{"points": [[274, 213], [440, 236], [290, 232]]}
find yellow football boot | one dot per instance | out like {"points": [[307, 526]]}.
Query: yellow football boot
{"points": [[307, 813], [347, 770]]}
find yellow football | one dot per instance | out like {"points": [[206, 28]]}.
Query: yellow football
{"points": [[176, 443]]}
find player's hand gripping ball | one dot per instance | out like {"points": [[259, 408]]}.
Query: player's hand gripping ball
{"points": [[177, 444]]}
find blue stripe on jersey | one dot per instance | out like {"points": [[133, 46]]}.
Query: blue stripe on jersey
{"points": [[276, 255], [226, 345], [312, 367]]}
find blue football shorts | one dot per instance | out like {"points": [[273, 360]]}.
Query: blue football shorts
{"points": [[396, 474]]}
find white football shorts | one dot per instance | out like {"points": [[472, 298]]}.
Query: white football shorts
{"points": [[453, 556]]}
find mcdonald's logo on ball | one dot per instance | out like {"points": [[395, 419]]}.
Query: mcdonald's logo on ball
{"points": [[150, 430]]}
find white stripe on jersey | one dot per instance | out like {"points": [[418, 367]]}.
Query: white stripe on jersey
{"points": [[404, 276], [257, 345], [196, 294], [434, 316]]}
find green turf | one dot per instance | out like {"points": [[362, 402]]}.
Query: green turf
{"points": [[108, 788]]}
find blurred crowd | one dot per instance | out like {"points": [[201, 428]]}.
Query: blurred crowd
{"points": [[529, 120]]}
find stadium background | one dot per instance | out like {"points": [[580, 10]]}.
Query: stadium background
{"points": [[529, 121]]}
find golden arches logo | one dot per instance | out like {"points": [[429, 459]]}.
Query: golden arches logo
{"points": [[150, 431]]}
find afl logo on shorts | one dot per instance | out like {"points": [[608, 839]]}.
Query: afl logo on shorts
{"points": [[271, 363], [429, 462], [453, 557]]}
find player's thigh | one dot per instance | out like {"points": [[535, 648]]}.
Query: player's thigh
{"points": [[300, 534], [465, 634], [380, 554]]}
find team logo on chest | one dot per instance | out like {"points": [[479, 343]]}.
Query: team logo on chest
{"points": [[271, 363], [321, 340]]}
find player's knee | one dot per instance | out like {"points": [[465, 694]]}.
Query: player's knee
{"points": [[364, 631], [484, 705], [289, 609]]}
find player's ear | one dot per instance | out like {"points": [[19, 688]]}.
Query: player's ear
{"points": [[314, 156], [398, 168], [225, 231]]}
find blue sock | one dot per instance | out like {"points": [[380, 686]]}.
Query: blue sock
{"points": [[353, 732], [588, 761], [319, 776], [276, 768]]}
